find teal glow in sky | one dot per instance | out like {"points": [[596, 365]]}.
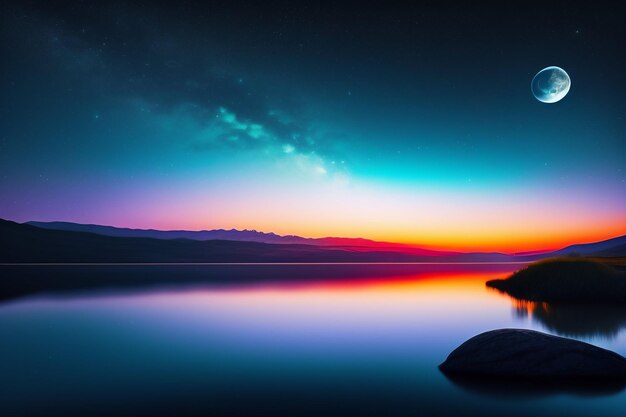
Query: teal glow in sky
{"points": [[415, 125]]}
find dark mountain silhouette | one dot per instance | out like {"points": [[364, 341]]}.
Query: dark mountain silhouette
{"points": [[616, 251], [218, 234], [610, 247], [27, 243], [354, 244], [615, 247]]}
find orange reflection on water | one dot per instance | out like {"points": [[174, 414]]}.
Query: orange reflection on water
{"points": [[455, 289], [437, 280], [524, 308], [337, 304], [352, 297]]}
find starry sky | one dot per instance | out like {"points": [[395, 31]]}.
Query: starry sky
{"points": [[408, 124]]}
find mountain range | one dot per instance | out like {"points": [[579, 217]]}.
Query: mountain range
{"points": [[357, 244], [72, 242]]}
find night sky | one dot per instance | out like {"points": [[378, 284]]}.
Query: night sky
{"points": [[402, 124]]}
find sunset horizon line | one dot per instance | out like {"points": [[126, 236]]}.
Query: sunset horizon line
{"points": [[459, 248]]}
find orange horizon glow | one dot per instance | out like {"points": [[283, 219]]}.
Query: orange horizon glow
{"points": [[453, 219], [515, 241], [510, 242], [480, 219]]}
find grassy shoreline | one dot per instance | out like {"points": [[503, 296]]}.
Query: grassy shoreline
{"points": [[568, 280]]}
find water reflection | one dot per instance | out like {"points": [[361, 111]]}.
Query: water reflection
{"points": [[574, 320], [287, 340], [516, 388], [25, 280]]}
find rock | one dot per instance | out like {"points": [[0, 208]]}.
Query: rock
{"points": [[518, 353]]}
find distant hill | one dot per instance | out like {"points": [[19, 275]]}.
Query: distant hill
{"points": [[355, 244], [616, 251], [218, 234], [27, 243], [610, 247], [72, 242]]}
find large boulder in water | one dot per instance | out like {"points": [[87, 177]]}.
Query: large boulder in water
{"points": [[518, 353]]}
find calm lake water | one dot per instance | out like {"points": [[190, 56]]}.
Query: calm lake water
{"points": [[276, 340]]}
